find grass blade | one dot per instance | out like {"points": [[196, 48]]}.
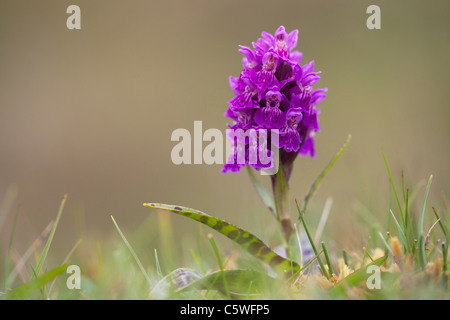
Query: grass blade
{"points": [[21, 260], [311, 241], [322, 175], [197, 261], [43, 255], [133, 253], [420, 231], [395, 191], [427, 238], [323, 219], [219, 261], [400, 232], [444, 264], [158, 266], [327, 258], [7, 203], [25, 290], [443, 227], [8, 253], [385, 243], [66, 260]]}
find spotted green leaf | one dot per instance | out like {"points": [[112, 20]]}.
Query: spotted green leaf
{"points": [[245, 239]]}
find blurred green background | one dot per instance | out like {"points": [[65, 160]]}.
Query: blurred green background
{"points": [[90, 112]]}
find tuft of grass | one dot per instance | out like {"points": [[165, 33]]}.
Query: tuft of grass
{"points": [[413, 261]]}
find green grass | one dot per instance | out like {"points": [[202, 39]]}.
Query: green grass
{"points": [[409, 242]]}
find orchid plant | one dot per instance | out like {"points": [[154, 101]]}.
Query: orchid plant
{"points": [[275, 92]]}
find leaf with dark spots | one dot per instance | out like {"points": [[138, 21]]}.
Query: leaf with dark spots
{"points": [[241, 239], [220, 225], [275, 261], [255, 247], [245, 239], [233, 234]]}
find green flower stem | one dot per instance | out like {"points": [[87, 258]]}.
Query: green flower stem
{"points": [[281, 196]]}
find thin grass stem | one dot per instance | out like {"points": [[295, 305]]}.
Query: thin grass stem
{"points": [[219, 261], [311, 241], [133, 253]]}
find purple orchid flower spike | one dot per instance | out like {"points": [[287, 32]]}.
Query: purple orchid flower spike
{"points": [[274, 91]]}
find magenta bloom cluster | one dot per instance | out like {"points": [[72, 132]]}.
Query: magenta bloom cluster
{"points": [[274, 91]]}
